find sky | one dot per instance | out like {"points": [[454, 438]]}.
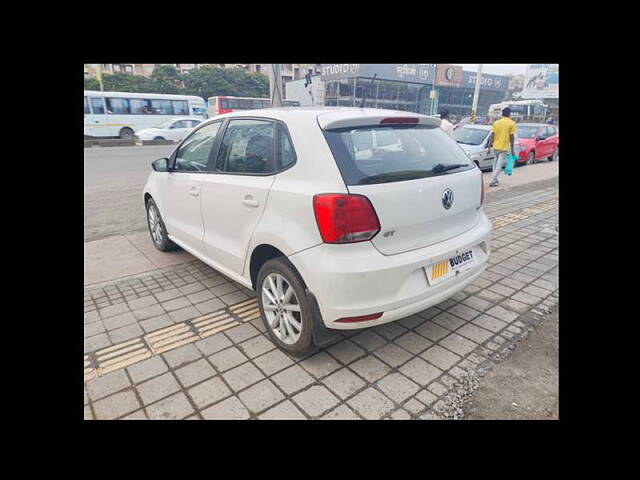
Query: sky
{"points": [[497, 68]]}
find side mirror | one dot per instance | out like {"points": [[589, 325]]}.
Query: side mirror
{"points": [[161, 165]]}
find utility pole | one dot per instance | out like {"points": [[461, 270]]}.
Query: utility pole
{"points": [[275, 85], [476, 94], [99, 75]]}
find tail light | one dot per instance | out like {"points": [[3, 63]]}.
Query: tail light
{"points": [[363, 318], [345, 218], [481, 189]]}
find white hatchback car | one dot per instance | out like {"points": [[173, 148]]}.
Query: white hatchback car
{"points": [[339, 218], [172, 129]]}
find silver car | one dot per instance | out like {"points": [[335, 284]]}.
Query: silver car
{"points": [[473, 140]]}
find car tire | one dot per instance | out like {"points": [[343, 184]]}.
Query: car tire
{"points": [[126, 132], [555, 154], [157, 228], [531, 158], [159, 138], [277, 315]]}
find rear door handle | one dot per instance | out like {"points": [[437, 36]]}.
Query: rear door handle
{"points": [[248, 201], [194, 191]]}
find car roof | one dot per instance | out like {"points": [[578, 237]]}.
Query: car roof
{"points": [[329, 117], [476, 125]]}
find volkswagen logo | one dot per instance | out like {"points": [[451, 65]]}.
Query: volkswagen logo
{"points": [[447, 198], [449, 73]]}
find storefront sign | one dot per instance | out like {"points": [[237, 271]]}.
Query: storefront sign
{"points": [[541, 81], [407, 72], [487, 81], [448, 75]]}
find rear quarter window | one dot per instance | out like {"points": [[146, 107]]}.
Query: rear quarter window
{"points": [[381, 154]]}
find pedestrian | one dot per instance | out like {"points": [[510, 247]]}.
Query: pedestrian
{"points": [[502, 141], [445, 124]]}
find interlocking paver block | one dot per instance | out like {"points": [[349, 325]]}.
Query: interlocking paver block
{"points": [[242, 376], [320, 365], [397, 387], [241, 333], [118, 321], [342, 412], [490, 323], [437, 388], [137, 415], [138, 303], [370, 368], [151, 367], [503, 314], [157, 388], [272, 362], [116, 405], [181, 355], [191, 287], [200, 296], [292, 379], [413, 321], [175, 407], [107, 384], [369, 340], [316, 400], [502, 289], [390, 330], [448, 321], [346, 351], [222, 289], [113, 310], [392, 355], [400, 414], [210, 306], [414, 406], [156, 323], [371, 404], [426, 397], [229, 409], [420, 371], [490, 296], [125, 333], [475, 333], [458, 344], [209, 392], [257, 346], [413, 342], [213, 344], [261, 396], [195, 372], [168, 295], [234, 297], [92, 329], [440, 357], [187, 313], [526, 298], [90, 317], [148, 312], [464, 312], [227, 359], [283, 411], [176, 304], [432, 331], [343, 382]]}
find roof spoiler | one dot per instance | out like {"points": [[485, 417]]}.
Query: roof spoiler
{"points": [[359, 118]]}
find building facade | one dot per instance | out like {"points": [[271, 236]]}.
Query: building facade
{"points": [[420, 88]]}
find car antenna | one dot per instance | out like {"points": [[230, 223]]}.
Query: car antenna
{"points": [[364, 95]]}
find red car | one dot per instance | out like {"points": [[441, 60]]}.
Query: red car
{"points": [[538, 141]]}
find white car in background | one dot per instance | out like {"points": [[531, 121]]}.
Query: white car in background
{"points": [[172, 129], [472, 138], [338, 218]]}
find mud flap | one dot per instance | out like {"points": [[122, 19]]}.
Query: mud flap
{"points": [[321, 334]]}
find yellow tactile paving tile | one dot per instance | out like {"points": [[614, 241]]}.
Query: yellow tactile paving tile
{"points": [[121, 355]]}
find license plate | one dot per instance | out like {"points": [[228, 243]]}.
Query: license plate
{"points": [[450, 267]]}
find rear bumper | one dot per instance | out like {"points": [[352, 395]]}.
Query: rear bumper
{"points": [[356, 279]]}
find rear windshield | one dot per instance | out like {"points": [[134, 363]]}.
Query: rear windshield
{"points": [[470, 136], [381, 154]]}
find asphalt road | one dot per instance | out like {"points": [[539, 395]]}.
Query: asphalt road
{"points": [[113, 181]]}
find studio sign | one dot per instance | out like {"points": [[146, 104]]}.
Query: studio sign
{"points": [[340, 68], [486, 81]]}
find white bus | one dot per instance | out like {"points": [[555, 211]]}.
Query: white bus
{"points": [[225, 104], [121, 114], [521, 110]]}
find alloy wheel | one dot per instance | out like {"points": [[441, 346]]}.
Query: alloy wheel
{"points": [[530, 158], [281, 308], [154, 225]]}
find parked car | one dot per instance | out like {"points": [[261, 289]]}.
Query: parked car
{"points": [[538, 141], [473, 140], [172, 129], [467, 121], [338, 218]]}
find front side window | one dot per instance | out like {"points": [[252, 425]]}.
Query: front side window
{"points": [[526, 131], [118, 105], [394, 153], [193, 154], [86, 106], [181, 124], [98, 106], [180, 107], [247, 147]]}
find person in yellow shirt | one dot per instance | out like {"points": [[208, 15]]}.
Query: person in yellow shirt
{"points": [[502, 140]]}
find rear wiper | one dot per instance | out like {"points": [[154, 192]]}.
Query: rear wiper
{"points": [[439, 168], [394, 176]]}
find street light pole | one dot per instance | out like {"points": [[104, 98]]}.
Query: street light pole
{"points": [[275, 85], [476, 94]]}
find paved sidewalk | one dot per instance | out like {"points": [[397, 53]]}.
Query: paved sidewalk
{"points": [[183, 341]]}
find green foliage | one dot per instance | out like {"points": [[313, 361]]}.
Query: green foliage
{"points": [[204, 82]]}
